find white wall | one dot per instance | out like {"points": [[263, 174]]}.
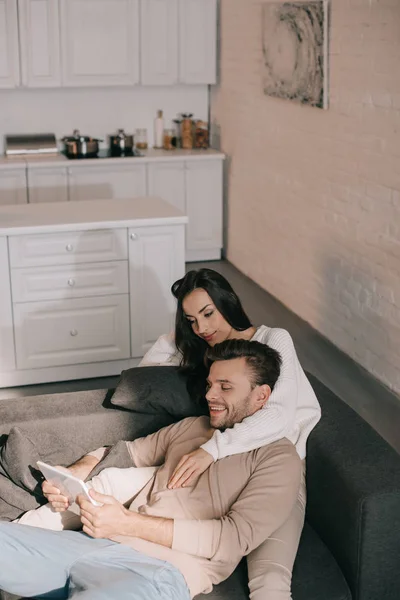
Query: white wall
{"points": [[97, 112], [314, 196]]}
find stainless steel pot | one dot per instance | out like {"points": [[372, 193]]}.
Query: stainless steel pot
{"points": [[80, 146], [121, 142]]}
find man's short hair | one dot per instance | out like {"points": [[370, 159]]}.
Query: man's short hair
{"points": [[263, 361]]}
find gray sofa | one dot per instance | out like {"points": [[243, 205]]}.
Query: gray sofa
{"points": [[350, 547]]}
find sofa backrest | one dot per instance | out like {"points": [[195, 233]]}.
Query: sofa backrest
{"points": [[353, 489]]}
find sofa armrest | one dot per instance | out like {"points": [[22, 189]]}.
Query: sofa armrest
{"points": [[353, 483]]}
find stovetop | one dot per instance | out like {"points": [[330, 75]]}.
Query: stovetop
{"points": [[106, 153]]}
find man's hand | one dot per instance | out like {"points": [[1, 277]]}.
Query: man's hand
{"points": [[104, 521], [59, 503], [189, 467], [80, 469]]}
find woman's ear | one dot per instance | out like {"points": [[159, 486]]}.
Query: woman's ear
{"points": [[264, 392]]}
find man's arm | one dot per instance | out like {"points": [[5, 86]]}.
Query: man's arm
{"points": [[261, 508]]}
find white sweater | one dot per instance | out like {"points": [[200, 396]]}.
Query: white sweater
{"points": [[292, 410]]}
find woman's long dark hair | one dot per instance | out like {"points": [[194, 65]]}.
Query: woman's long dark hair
{"points": [[191, 346]]}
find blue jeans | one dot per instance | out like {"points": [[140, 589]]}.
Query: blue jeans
{"points": [[69, 564]]}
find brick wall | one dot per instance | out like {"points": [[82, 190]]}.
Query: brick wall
{"points": [[313, 195]]}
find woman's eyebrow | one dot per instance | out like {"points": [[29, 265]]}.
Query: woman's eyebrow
{"points": [[200, 311]]}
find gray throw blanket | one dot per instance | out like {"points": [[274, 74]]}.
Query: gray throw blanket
{"points": [[21, 480]]}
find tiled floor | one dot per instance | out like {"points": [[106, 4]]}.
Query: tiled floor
{"points": [[349, 381]]}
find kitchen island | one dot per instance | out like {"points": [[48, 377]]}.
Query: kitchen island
{"points": [[85, 286]]}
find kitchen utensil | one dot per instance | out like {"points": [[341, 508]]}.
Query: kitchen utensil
{"points": [[121, 143], [79, 146]]}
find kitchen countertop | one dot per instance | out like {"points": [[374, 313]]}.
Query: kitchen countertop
{"points": [[89, 214], [152, 154]]}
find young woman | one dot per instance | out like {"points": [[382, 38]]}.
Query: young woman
{"points": [[209, 312]]}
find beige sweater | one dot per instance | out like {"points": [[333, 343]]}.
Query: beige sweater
{"points": [[232, 507]]}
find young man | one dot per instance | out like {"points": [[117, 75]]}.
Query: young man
{"points": [[170, 543]]}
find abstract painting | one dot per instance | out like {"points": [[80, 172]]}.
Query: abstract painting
{"points": [[295, 51]]}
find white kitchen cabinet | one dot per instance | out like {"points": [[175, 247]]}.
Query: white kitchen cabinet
{"points": [[167, 180], [39, 28], [159, 42], [9, 52], [7, 351], [99, 182], [13, 186], [90, 286], [198, 41], [88, 329], [48, 184], [204, 208], [156, 260], [100, 42]]}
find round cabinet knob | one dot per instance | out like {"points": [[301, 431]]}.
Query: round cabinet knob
{"points": [[71, 282], [73, 332], [134, 236], [69, 247]]}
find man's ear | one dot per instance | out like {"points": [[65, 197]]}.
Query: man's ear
{"points": [[264, 392]]}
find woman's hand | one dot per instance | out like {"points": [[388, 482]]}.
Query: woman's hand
{"points": [[189, 467]]}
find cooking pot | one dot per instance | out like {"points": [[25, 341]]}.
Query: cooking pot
{"points": [[121, 142], [78, 146]]}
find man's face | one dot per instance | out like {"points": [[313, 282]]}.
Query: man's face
{"points": [[230, 395]]}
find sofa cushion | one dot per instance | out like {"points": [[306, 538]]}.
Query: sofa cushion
{"points": [[316, 575], [155, 390]]}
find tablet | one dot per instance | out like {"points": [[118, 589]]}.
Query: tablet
{"points": [[69, 485]]}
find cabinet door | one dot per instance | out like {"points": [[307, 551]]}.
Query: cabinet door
{"points": [[198, 41], [48, 185], [9, 57], [100, 42], [7, 352], [96, 183], [204, 204], [68, 332], [167, 180], [159, 42], [13, 188], [156, 260], [40, 43]]}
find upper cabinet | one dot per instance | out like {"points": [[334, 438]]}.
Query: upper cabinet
{"points": [[73, 43], [39, 43], [9, 56], [198, 41], [159, 42], [178, 41], [100, 42]]}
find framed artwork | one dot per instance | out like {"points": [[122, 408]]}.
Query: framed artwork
{"points": [[295, 51]]}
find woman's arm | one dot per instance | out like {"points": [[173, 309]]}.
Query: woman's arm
{"points": [[163, 352], [277, 418]]}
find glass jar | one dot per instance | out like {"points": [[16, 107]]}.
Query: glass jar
{"points": [[187, 131], [201, 136], [141, 139], [168, 139]]}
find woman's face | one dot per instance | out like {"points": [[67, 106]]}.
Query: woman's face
{"points": [[204, 317]]}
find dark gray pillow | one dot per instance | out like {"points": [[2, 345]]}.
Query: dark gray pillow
{"points": [[155, 390]]}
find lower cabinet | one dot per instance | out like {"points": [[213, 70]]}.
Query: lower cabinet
{"points": [[156, 260], [195, 187], [67, 332], [48, 184], [103, 183], [79, 300], [13, 186]]}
